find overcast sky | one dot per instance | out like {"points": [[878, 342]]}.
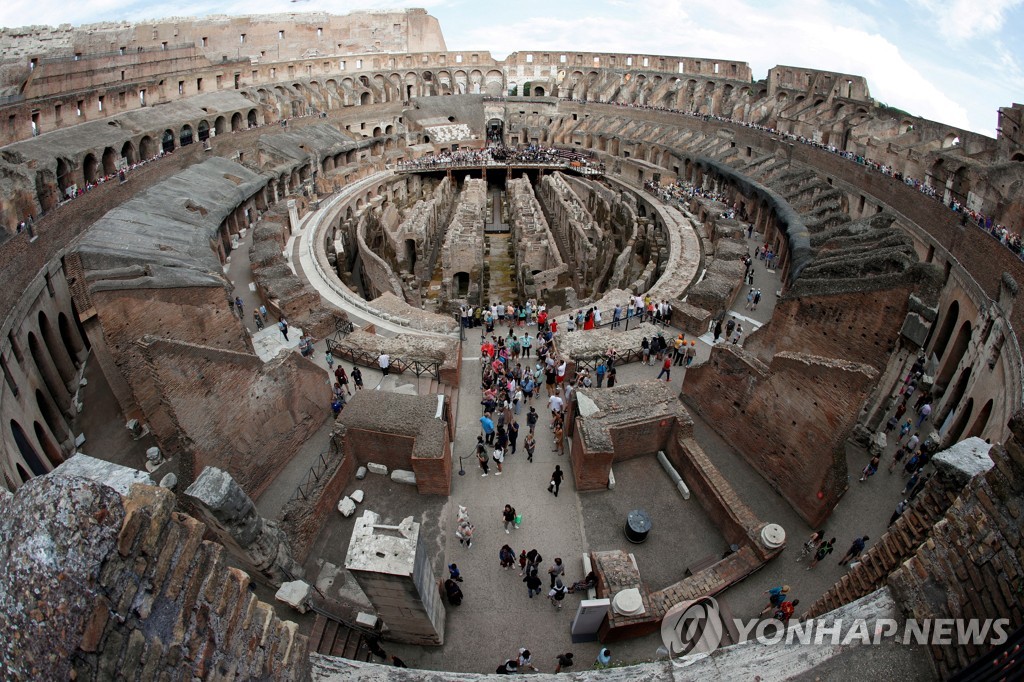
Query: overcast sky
{"points": [[954, 61]]}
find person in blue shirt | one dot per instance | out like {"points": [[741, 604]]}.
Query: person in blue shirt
{"points": [[488, 427]]}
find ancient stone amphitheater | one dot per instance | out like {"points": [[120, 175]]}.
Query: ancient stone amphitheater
{"points": [[333, 170]]}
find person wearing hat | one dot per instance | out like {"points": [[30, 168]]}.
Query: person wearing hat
{"points": [[679, 350], [776, 596], [691, 352]]}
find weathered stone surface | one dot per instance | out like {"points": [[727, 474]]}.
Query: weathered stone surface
{"points": [[115, 476], [347, 507], [377, 468], [963, 461], [357, 496], [403, 476], [257, 543], [361, 473], [295, 594]]}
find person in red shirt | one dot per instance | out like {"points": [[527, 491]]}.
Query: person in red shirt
{"points": [[666, 369], [554, 326], [542, 318]]}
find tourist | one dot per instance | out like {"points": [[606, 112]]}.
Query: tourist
{"points": [[342, 378], [531, 419], [534, 584], [870, 470], [599, 372], [901, 507], [556, 404], [666, 370], [526, 660], [513, 436], [556, 571], [397, 662], [691, 353], [238, 307], [533, 559], [384, 362], [530, 445], [645, 351], [855, 549], [717, 331], [507, 557], [452, 592], [499, 457], [564, 661], [559, 438], [508, 667], [811, 546], [776, 596], [557, 593], [508, 517], [824, 549], [923, 413], [604, 658], [556, 480], [679, 347], [487, 425], [282, 326], [611, 377], [481, 454], [785, 610]]}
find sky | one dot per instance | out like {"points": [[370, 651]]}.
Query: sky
{"points": [[954, 61]]}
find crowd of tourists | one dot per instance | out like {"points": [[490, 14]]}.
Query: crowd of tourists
{"points": [[500, 155], [1011, 240]]}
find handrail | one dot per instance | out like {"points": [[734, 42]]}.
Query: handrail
{"points": [[398, 365]]}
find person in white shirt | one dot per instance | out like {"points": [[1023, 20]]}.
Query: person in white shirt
{"points": [[384, 360]]}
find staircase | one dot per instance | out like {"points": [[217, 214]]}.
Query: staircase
{"points": [[428, 385], [331, 638]]}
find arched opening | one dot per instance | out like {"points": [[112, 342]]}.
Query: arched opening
{"points": [[1019, 156], [63, 175], [957, 430], [220, 125], [538, 91], [46, 369], [186, 135], [461, 284], [128, 153], [65, 366], [90, 168], [236, 122], [28, 453], [147, 150], [251, 118], [378, 131], [167, 143], [951, 140], [25, 477], [109, 161], [72, 342], [51, 451], [203, 130], [410, 253], [389, 130], [956, 354], [955, 395], [946, 331], [981, 421], [366, 98], [51, 416]]}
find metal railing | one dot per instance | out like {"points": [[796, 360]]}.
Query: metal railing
{"points": [[316, 473], [398, 365], [621, 358], [471, 165]]}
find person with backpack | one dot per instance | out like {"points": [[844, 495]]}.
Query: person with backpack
{"points": [[508, 517], [557, 593], [776, 596], [785, 610], [824, 549], [507, 557], [533, 584]]}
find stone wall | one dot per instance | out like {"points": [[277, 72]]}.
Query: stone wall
{"points": [[129, 589], [462, 251], [539, 265], [302, 517], [231, 410], [576, 232], [424, 223], [789, 418]]}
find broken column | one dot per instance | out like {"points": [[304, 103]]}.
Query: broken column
{"points": [[257, 543], [392, 567]]}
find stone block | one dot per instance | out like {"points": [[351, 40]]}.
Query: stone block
{"points": [[347, 507], [115, 476], [403, 476], [377, 468], [169, 481], [295, 594], [963, 461], [79, 439], [915, 329], [611, 479], [360, 473], [357, 496], [367, 620]]}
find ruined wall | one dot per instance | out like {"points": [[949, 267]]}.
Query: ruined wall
{"points": [[302, 517], [971, 566], [539, 265], [377, 273], [463, 242], [424, 223], [128, 588], [576, 232], [234, 411], [789, 418], [859, 326]]}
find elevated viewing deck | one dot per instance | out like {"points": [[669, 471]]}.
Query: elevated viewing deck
{"points": [[578, 169]]}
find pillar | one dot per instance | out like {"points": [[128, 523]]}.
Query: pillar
{"points": [[259, 545], [293, 215]]}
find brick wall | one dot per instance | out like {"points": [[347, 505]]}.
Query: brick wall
{"points": [[972, 566], [391, 450], [860, 326], [434, 474], [130, 591], [302, 518], [789, 419], [236, 412]]}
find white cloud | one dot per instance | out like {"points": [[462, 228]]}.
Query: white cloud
{"points": [[962, 20]]}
